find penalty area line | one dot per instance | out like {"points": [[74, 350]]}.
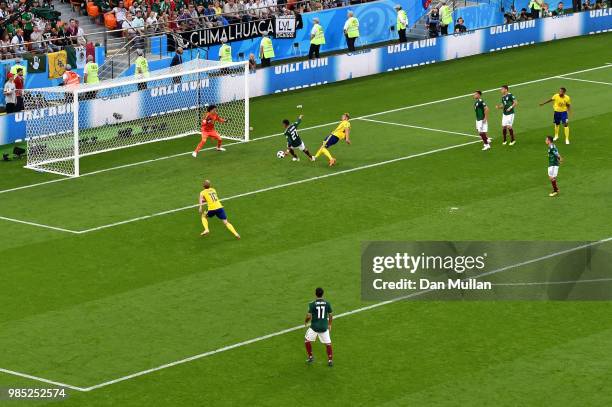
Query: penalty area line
{"points": [[586, 80], [608, 65], [344, 314], [418, 127], [288, 184], [40, 225]]}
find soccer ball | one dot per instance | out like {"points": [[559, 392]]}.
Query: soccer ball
{"points": [[280, 154]]}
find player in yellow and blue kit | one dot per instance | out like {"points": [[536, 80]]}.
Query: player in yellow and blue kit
{"points": [[342, 132], [215, 208], [561, 106]]}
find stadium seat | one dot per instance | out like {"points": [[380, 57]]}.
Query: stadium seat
{"points": [[93, 11], [110, 21]]}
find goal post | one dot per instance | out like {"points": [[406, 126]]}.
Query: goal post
{"points": [[67, 123]]}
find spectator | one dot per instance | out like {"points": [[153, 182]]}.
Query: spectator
{"points": [[546, 10], [252, 63], [524, 16], [80, 35], [54, 43], [259, 9], [18, 42], [10, 97], [460, 26], [230, 12], [72, 31], [151, 24], [19, 85], [600, 5], [26, 20], [138, 22], [120, 13], [130, 27], [560, 10], [433, 23], [511, 16], [586, 6], [217, 7], [5, 47], [38, 41]]}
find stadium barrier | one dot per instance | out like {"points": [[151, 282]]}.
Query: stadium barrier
{"points": [[305, 74]]}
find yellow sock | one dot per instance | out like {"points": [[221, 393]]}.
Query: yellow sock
{"points": [[566, 130], [205, 222], [231, 228], [556, 130], [326, 153]]}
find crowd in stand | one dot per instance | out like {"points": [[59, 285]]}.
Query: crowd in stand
{"points": [[137, 17], [540, 9], [34, 26]]}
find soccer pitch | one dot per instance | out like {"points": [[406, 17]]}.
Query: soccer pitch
{"points": [[108, 289]]}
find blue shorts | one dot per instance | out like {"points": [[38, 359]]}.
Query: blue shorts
{"points": [[560, 117], [219, 213], [331, 140]]}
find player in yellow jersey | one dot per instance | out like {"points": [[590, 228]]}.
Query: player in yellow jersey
{"points": [[342, 132], [215, 208], [561, 106]]}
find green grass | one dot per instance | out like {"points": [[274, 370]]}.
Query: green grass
{"points": [[84, 309]]}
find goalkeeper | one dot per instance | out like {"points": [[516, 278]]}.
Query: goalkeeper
{"points": [[208, 129], [294, 140]]}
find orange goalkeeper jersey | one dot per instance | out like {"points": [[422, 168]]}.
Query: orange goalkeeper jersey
{"points": [[208, 123]]}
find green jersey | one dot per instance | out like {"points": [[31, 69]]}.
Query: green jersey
{"points": [[479, 107], [26, 19], [319, 309], [507, 102], [293, 138], [553, 156]]}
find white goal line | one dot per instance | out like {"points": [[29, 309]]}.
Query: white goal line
{"points": [[305, 128], [298, 327]]}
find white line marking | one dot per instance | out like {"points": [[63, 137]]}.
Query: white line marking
{"points": [[586, 80], [41, 379], [152, 160], [344, 314], [419, 127], [40, 225], [288, 184], [288, 330], [303, 129], [593, 280]]}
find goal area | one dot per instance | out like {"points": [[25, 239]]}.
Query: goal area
{"points": [[67, 123]]}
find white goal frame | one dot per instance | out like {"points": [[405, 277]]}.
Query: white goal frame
{"points": [[79, 92]]}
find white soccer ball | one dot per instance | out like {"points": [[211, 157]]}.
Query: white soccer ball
{"points": [[280, 154]]}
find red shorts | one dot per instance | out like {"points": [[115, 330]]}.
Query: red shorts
{"points": [[212, 134]]}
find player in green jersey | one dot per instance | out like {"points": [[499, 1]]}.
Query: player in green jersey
{"points": [[294, 140], [482, 119], [320, 318], [508, 104], [554, 160]]}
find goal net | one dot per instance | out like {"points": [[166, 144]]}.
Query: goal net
{"points": [[66, 123]]}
